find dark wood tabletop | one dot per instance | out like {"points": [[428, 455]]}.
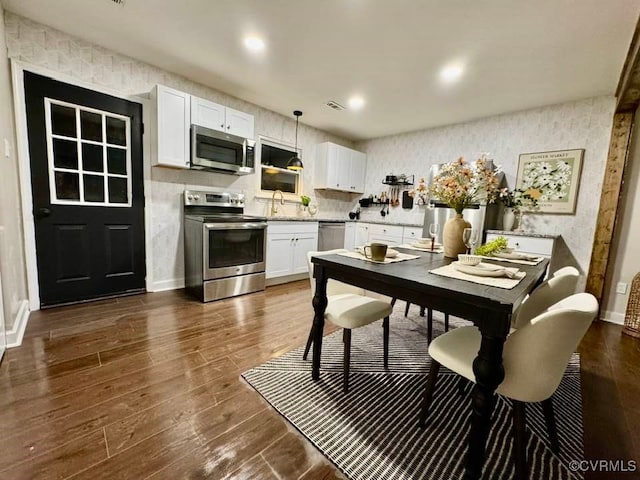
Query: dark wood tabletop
{"points": [[490, 308]]}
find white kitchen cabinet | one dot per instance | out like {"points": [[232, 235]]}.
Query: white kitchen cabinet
{"points": [[357, 172], [224, 119], [389, 234], [339, 168], [362, 234], [287, 246], [350, 231], [411, 235], [239, 123], [170, 141], [534, 245], [208, 114]]}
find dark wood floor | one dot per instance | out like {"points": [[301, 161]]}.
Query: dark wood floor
{"points": [[148, 387]]}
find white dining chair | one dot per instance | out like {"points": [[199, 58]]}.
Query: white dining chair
{"points": [[348, 307], [561, 285], [535, 357]]}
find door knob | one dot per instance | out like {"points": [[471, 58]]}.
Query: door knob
{"points": [[43, 212]]}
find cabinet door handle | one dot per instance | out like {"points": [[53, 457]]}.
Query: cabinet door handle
{"points": [[222, 125]]}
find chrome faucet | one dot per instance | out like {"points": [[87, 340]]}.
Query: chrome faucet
{"points": [[274, 207]]}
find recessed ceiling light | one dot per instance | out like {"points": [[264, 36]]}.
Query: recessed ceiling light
{"points": [[254, 44], [356, 102], [451, 73]]}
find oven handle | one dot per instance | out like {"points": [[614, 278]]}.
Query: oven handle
{"points": [[235, 226]]}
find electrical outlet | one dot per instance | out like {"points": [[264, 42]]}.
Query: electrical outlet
{"points": [[621, 288]]}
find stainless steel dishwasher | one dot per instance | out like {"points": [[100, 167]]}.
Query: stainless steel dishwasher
{"points": [[330, 235]]}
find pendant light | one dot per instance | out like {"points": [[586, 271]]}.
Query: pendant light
{"points": [[294, 162]]}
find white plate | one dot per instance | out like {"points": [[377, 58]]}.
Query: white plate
{"points": [[482, 270], [515, 256], [427, 248]]}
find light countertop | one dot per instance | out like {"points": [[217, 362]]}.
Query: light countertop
{"points": [[335, 219]]}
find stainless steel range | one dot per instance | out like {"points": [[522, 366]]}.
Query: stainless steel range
{"points": [[224, 250]]}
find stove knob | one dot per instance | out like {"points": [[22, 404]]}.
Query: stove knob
{"points": [[189, 197], [197, 197]]}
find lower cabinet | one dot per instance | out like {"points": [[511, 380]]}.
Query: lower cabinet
{"points": [[287, 247], [350, 231]]}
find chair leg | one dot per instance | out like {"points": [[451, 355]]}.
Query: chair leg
{"points": [[428, 392], [520, 439], [406, 309], [346, 339], [385, 332], [309, 343], [422, 311], [429, 325], [446, 322], [549, 418], [393, 302]]}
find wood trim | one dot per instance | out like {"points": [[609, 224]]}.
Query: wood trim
{"points": [[609, 200], [628, 91]]}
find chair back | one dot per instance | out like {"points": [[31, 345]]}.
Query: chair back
{"points": [[334, 287], [536, 355], [559, 286]]}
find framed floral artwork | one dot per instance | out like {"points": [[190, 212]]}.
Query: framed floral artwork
{"points": [[552, 178]]}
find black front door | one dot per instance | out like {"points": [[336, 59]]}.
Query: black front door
{"points": [[87, 183]]}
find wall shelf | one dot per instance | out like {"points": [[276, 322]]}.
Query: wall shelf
{"points": [[408, 182]]}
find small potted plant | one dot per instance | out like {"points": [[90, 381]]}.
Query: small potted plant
{"points": [[514, 201]]}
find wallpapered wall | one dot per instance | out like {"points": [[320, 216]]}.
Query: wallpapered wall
{"points": [[582, 124], [14, 284], [43, 46]]}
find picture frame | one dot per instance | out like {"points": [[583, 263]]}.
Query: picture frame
{"points": [[552, 178]]}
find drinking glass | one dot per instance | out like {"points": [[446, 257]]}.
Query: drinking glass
{"points": [[470, 238], [434, 228]]}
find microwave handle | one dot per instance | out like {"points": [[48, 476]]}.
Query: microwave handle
{"points": [[235, 226]]}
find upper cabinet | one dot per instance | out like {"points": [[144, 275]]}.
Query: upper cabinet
{"points": [[171, 132], [176, 111], [224, 119], [339, 168]]}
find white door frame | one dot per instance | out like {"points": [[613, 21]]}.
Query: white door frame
{"points": [[24, 167]]}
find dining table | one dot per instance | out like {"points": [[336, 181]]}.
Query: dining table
{"points": [[490, 308]]}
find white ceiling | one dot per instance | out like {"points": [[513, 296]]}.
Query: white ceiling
{"points": [[517, 54]]}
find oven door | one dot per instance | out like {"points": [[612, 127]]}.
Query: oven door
{"points": [[212, 150], [231, 249]]}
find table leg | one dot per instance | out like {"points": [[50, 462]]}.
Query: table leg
{"points": [[319, 307], [489, 373]]}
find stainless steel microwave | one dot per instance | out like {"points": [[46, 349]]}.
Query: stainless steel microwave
{"points": [[221, 152]]}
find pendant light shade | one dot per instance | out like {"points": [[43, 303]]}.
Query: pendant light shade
{"points": [[294, 162]]}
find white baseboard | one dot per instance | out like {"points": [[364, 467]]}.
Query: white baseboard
{"points": [[612, 317], [163, 285], [14, 336]]}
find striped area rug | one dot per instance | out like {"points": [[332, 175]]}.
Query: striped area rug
{"points": [[372, 432]]}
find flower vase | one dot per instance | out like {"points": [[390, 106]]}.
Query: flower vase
{"points": [[452, 236], [508, 219]]}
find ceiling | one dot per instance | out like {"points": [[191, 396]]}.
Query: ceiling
{"points": [[517, 54]]}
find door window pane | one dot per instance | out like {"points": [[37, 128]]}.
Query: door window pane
{"points": [[93, 188], [65, 154], [63, 120], [92, 157], [67, 186], [118, 190], [117, 160], [91, 126], [116, 131]]}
